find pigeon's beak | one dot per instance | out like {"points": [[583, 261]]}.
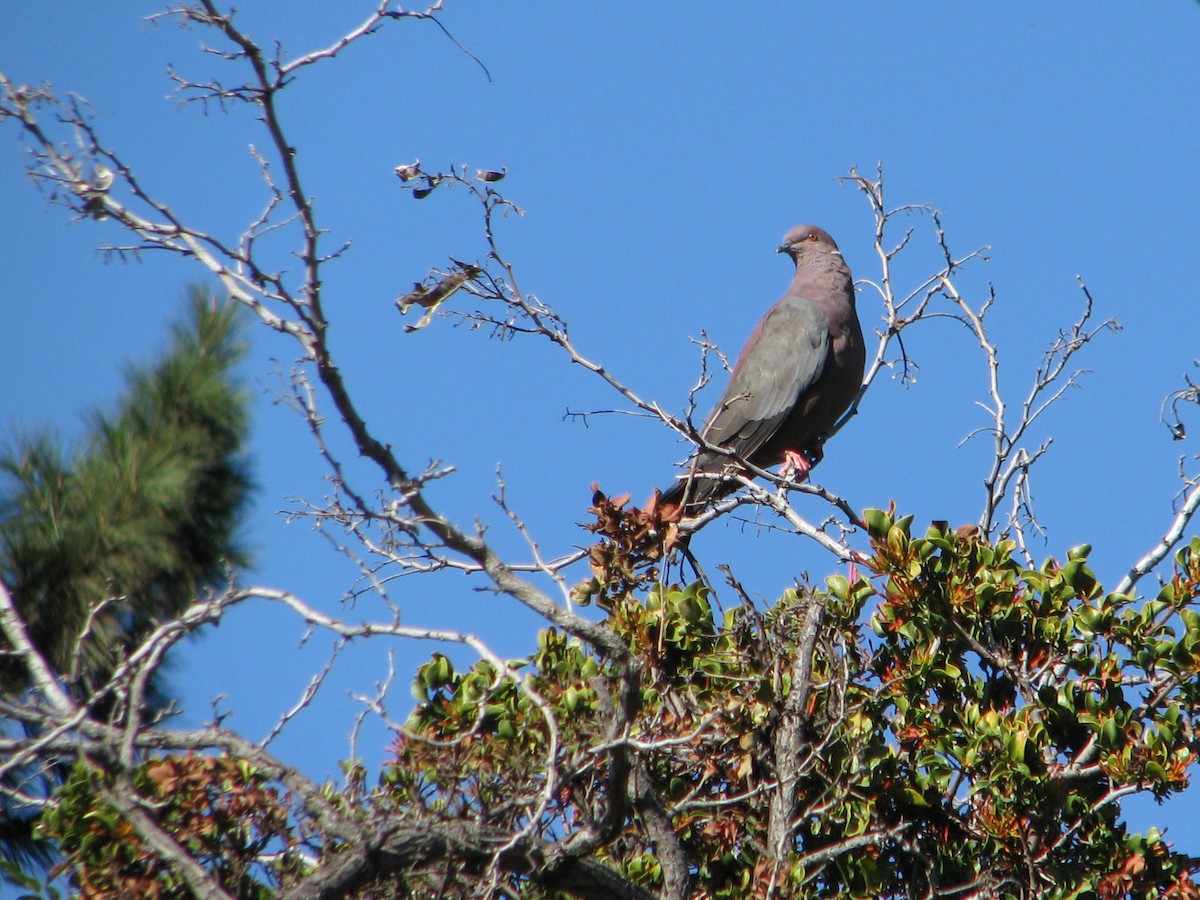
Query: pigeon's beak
{"points": [[783, 248]]}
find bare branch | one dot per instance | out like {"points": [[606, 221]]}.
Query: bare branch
{"points": [[41, 673], [1173, 535]]}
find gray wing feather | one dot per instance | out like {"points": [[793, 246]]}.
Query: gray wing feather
{"points": [[782, 360]]}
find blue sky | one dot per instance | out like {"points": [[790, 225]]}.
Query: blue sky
{"points": [[659, 151]]}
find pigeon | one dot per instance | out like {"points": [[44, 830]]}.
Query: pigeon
{"points": [[797, 374]]}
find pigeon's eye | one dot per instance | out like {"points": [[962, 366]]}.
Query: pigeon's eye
{"points": [[813, 237]]}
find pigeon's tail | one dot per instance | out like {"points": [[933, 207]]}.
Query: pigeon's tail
{"points": [[692, 494], [674, 495]]}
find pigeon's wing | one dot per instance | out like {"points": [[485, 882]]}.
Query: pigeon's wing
{"points": [[780, 363]]}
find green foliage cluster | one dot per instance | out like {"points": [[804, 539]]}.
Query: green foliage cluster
{"points": [[980, 743], [220, 811], [1022, 704]]}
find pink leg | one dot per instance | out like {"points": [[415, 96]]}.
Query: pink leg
{"points": [[795, 466]]}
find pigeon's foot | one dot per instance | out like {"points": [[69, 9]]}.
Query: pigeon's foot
{"points": [[795, 466]]}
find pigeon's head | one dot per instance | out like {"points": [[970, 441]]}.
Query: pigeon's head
{"points": [[804, 239]]}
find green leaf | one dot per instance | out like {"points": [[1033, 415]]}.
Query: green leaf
{"points": [[897, 540], [916, 798], [878, 522]]}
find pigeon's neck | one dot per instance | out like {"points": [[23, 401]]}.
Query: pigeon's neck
{"points": [[826, 270]]}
